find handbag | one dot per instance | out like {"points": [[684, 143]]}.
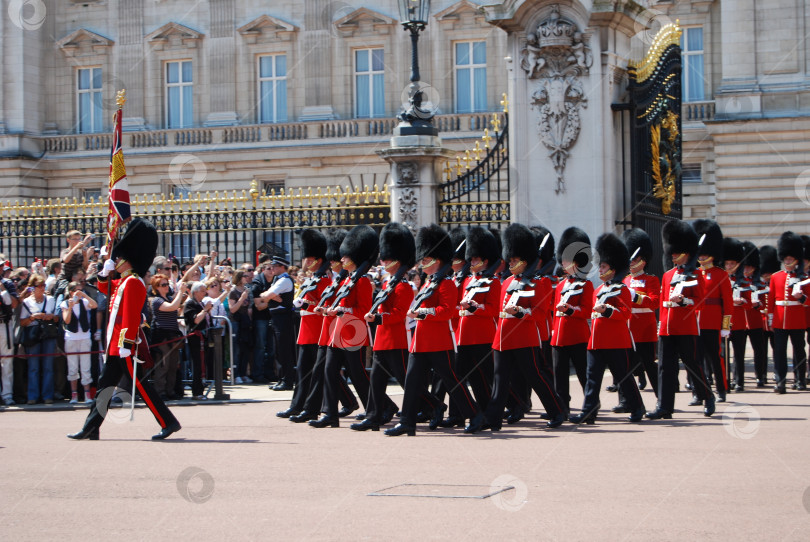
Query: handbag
{"points": [[31, 334], [50, 330]]}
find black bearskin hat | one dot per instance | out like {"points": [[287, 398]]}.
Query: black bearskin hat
{"points": [[613, 251], [790, 244], [679, 238], [768, 262], [397, 243], [137, 244], [547, 253], [361, 245], [498, 242], [733, 250], [457, 240], [482, 244], [637, 239], [806, 241], [519, 242], [433, 242], [713, 242], [333, 243], [750, 255], [313, 244], [574, 245]]}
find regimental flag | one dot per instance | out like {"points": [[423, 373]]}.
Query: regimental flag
{"points": [[118, 212]]}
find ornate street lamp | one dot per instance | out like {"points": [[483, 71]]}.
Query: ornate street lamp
{"points": [[415, 120]]}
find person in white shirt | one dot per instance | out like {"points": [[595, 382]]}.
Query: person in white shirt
{"points": [[76, 316]]}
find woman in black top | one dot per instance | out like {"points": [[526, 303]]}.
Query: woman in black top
{"points": [[165, 311], [196, 317]]}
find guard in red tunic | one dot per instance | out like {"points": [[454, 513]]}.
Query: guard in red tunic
{"points": [[432, 343], [479, 310], [800, 372], [785, 311], [714, 316], [678, 333], [313, 252], [741, 261], [397, 254], [573, 300], [611, 342], [644, 292], [768, 265], [525, 300], [131, 256], [350, 333], [313, 404]]}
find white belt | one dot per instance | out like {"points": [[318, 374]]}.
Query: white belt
{"points": [[636, 310], [307, 313], [788, 303]]}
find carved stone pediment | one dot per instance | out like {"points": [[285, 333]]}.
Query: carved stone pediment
{"points": [[362, 22], [266, 29], [462, 14], [556, 55], [174, 36], [82, 42]]}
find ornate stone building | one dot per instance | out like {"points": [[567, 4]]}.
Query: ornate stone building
{"points": [[297, 93]]}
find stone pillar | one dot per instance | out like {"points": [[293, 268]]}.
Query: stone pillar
{"points": [[317, 41], [416, 168], [222, 69], [129, 65], [738, 95]]}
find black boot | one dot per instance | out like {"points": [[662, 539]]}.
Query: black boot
{"points": [[438, 414], [287, 413], [304, 417], [400, 429], [709, 409], [452, 421], [658, 414], [584, 417], [325, 421], [637, 415], [365, 425], [476, 423], [556, 421], [85, 434], [166, 431]]}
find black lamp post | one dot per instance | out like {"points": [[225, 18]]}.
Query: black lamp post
{"points": [[414, 15]]}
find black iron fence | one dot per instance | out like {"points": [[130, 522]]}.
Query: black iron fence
{"points": [[235, 224]]}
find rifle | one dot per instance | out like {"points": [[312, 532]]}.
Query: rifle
{"points": [[428, 291], [330, 290], [346, 289], [386, 292]]}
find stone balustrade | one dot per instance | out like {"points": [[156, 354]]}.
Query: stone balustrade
{"points": [[472, 123], [697, 111]]}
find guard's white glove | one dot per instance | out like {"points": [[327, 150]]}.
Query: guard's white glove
{"points": [[103, 253], [124, 352], [109, 267], [298, 302], [725, 333]]}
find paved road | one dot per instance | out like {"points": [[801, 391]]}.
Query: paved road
{"points": [[236, 471]]}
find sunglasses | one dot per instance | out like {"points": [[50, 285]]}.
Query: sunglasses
{"points": [[249, 269], [164, 285]]}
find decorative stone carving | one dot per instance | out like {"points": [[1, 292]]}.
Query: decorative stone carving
{"points": [[556, 55], [407, 173], [409, 207]]}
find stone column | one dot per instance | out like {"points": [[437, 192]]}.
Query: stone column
{"points": [[129, 65], [738, 95], [416, 168], [221, 50], [317, 41]]}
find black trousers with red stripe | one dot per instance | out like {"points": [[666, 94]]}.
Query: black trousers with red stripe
{"points": [[529, 361], [619, 361], [475, 365], [780, 366], [713, 362], [564, 357], [671, 348], [416, 386], [314, 400], [757, 338], [387, 363], [111, 374], [354, 360], [307, 356]]}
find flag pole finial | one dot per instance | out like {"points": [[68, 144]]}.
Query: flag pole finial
{"points": [[120, 98]]}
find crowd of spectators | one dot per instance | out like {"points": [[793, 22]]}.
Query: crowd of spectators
{"points": [[198, 313]]}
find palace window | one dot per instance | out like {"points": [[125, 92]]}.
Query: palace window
{"points": [[369, 84], [179, 94], [693, 78], [184, 245], [91, 195], [471, 76], [88, 100], [273, 88]]}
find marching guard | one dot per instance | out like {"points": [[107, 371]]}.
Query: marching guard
{"points": [[681, 296]]}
